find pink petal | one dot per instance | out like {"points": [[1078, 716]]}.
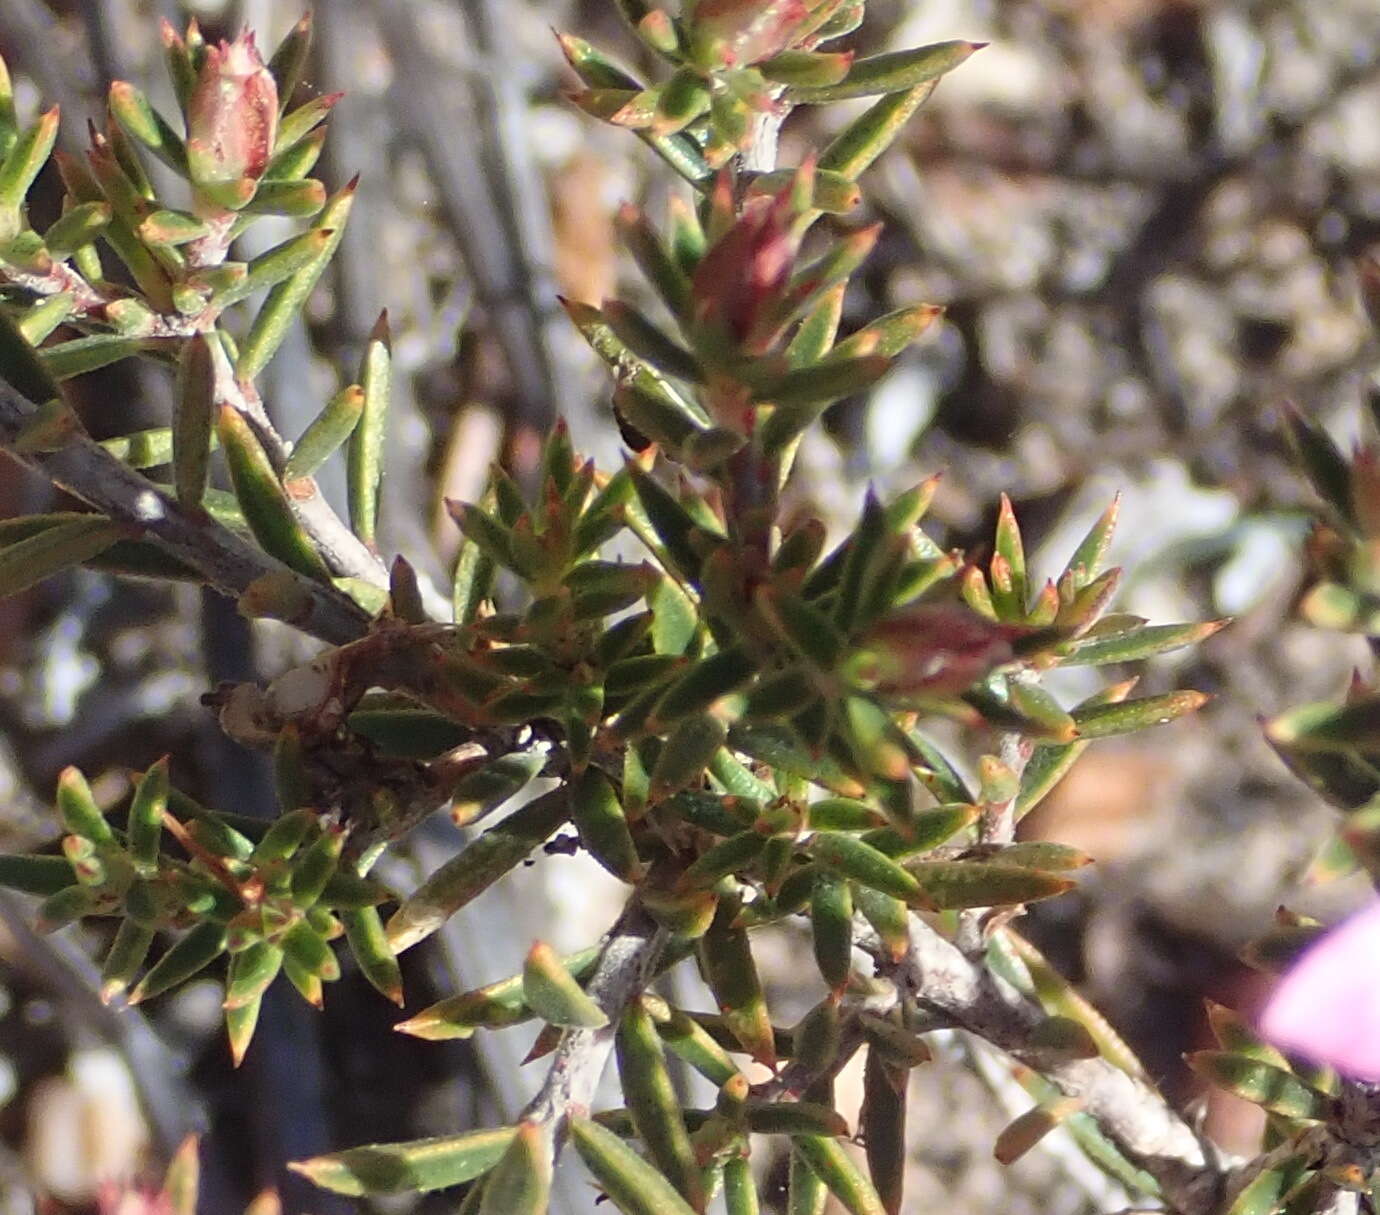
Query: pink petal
{"points": [[1327, 1007]]}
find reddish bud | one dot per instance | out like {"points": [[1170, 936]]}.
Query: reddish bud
{"points": [[736, 33], [232, 117], [934, 650], [744, 275]]}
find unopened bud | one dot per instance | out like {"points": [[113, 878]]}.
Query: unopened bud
{"points": [[232, 117]]}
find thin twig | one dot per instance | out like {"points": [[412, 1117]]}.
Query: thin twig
{"points": [[996, 826]]}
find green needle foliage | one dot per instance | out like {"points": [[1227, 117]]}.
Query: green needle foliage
{"points": [[737, 725]]}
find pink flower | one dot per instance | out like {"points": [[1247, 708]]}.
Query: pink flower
{"points": [[1327, 1007]]}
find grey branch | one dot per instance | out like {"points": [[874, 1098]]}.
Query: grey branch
{"points": [[229, 564], [937, 975]]}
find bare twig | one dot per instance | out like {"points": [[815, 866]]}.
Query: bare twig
{"points": [[996, 826], [86, 470], [939, 977]]}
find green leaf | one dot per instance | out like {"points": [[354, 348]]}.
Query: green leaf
{"points": [[831, 929], [520, 1184], [603, 826], [79, 225], [655, 1105], [494, 540], [634, 1186], [1327, 727], [551, 992], [43, 875], [1272, 1088], [889, 335], [671, 524], [494, 1006], [688, 1039], [298, 198], [251, 971], [474, 870], [864, 139], [25, 158], [654, 260], [471, 581], [297, 125], [701, 685], [145, 824], [832, 1165], [950, 885], [776, 747], [369, 943], [21, 366], [193, 953], [9, 120], [52, 550], [740, 1188], [327, 432], [167, 227], [686, 753], [277, 268], [806, 1192], [1086, 563], [401, 1168], [1049, 764], [1236, 1036], [80, 355], [862, 863], [286, 300], [729, 969], [366, 451], [290, 59], [126, 956], [262, 499], [486, 789], [649, 343], [140, 121], [801, 396], [882, 1122], [896, 72], [1134, 644], [1321, 459], [1104, 721], [193, 417], [1267, 1192], [1060, 998]]}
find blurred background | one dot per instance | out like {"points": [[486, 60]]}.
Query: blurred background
{"points": [[1141, 217]]}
